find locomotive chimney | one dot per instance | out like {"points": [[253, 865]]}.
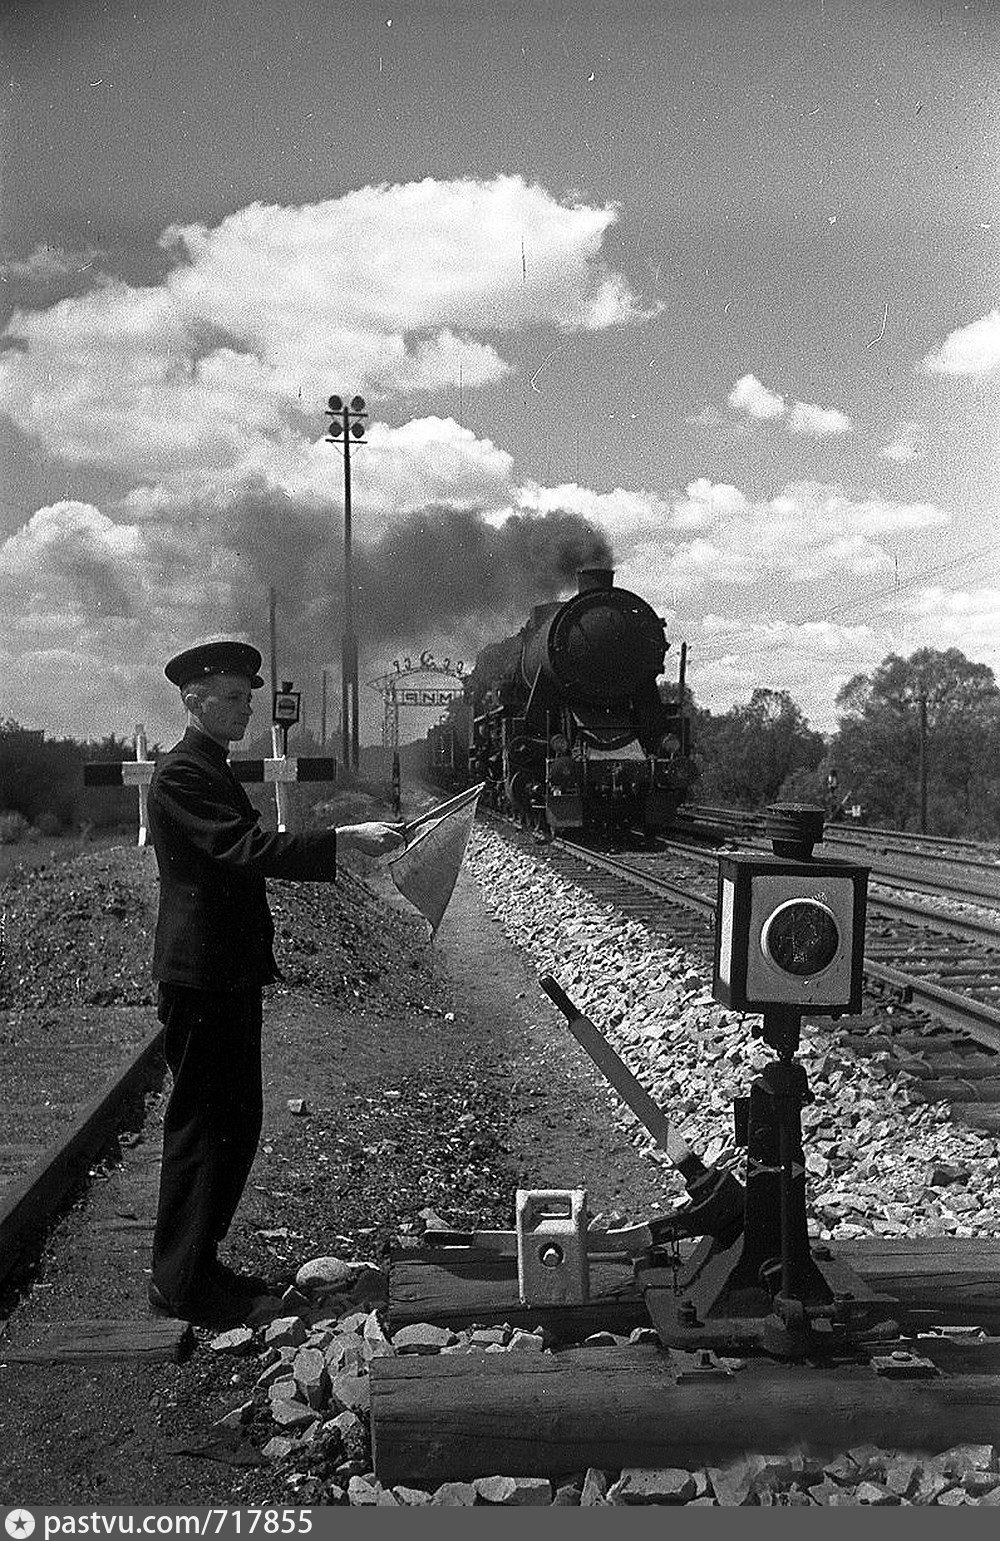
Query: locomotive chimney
{"points": [[594, 578]]}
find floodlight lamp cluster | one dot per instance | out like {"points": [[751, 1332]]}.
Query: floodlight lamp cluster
{"points": [[346, 419]]}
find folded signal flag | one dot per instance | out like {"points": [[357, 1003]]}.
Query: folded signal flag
{"points": [[426, 870]]}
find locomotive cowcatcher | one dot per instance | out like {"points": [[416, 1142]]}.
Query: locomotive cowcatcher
{"points": [[570, 732]]}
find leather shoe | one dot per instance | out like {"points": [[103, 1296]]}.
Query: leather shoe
{"points": [[212, 1306]]}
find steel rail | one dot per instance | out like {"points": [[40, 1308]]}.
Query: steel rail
{"points": [[942, 921], [936, 920], [875, 834], [959, 1012], [968, 892], [884, 842], [872, 833], [987, 898], [637, 879]]}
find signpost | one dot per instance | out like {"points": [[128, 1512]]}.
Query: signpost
{"points": [[285, 710]]}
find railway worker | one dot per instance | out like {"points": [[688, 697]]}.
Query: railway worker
{"points": [[211, 955]]}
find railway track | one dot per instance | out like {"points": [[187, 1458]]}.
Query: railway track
{"points": [[49, 1172], [939, 973], [959, 870], [865, 834]]}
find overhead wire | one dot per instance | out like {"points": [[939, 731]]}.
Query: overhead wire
{"points": [[705, 652]]}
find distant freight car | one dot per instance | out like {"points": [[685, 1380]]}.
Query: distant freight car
{"points": [[567, 725]]}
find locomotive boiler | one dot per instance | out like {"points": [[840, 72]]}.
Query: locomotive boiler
{"points": [[568, 725]]}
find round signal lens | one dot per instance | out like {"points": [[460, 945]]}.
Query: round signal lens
{"points": [[801, 938]]}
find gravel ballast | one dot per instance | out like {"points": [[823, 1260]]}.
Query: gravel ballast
{"points": [[872, 1151]]}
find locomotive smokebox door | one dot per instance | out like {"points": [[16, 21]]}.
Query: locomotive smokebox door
{"points": [[789, 933]]}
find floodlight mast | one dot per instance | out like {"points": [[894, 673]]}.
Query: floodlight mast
{"points": [[347, 423]]}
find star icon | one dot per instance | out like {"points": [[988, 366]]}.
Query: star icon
{"points": [[19, 1523]]}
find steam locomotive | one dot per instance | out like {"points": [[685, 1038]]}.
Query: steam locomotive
{"points": [[565, 722]]}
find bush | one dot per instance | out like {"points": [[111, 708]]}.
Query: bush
{"points": [[14, 828]]}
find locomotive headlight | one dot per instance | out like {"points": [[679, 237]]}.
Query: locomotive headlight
{"points": [[801, 937]]}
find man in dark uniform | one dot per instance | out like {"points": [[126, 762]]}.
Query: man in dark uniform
{"points": [[212, 954]]}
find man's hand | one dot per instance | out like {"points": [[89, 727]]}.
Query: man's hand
{"points": [[370, 839]]}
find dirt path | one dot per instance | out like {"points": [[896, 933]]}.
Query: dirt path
{"points": [[563, 1136]]}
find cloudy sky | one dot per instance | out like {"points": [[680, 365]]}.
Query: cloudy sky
{"points": [[710, 284]]}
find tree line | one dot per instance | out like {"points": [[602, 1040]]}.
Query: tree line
{"points": [[917, 745], [917, 742]]}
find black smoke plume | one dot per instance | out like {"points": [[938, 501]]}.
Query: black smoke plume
{"points": [[443, 566], [437, 573]]}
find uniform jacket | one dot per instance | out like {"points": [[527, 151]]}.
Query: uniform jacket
{"points": [[214, 929]]}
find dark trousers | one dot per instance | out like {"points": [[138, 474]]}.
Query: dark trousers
{"points": [[210, 1129]]}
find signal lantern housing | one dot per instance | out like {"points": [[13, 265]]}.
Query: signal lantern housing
{"points": [[789, 933]]}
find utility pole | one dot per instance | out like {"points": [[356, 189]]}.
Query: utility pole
{"points": [[322, 726], [922, 702], [685, 726], [347, 423], [272, 609]]}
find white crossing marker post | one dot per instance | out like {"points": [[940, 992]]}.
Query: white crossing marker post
{"points": [[127, 773], [279, 771], [142, 781], [276, 766]]}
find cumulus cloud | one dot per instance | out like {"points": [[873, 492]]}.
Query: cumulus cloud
{"points": [[820, 421], [70, 559], [732, 654], [729, 658], [968, 619], [750, 396], [753, 399], [389, 290], [72, 566], [969, 350], [808, 531], [623, 514], [714, 533], [48, 264], [426, 461], [909, 444]]}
